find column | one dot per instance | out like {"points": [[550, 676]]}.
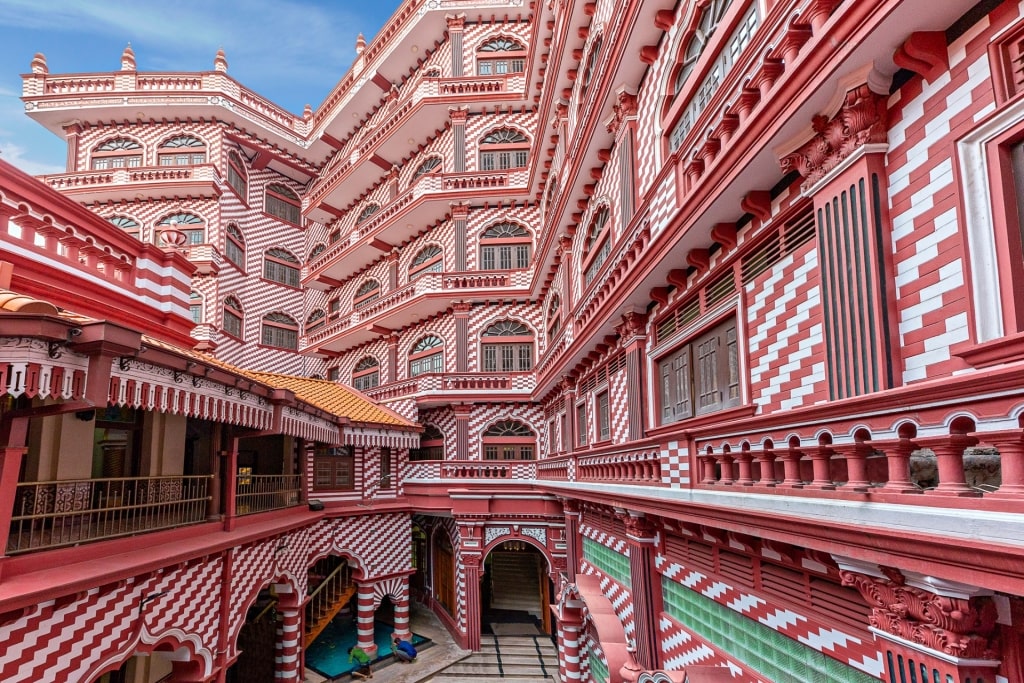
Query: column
{"points": [[456, 25], [568, 387], [744, 459], [1011, 463], [462, 413], [791, 467], [766, 466], [460, 217], [571, 510], [856, 458], [471, 562], [821, 461], [570, 627], [461, 311], [364, 618], [392, 360], [565, 253], [949, 457], [287, 647], [10, 468], [640, 535], [72, 131], [458, 118], [402, 612], [897, 459], [634, 341], [392, 271]]}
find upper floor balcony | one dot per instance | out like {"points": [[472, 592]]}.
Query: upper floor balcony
{"points": [[424, 203], [426, 295], [444, 388], [126, 184], [394, 131]]}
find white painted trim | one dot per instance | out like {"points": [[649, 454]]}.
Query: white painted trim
{"points": [[957, 661]]}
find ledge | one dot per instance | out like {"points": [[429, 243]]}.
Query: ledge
{"points": [[1008, 349]]}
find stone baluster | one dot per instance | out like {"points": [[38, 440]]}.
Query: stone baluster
{"points": [[949, 456], [791, 464], [897, 458], [724, 460], [1011, 462], [708, 461], [856, 457], [821, 460], [743, 461], [766, 465]]}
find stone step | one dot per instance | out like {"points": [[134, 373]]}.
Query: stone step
{"points": [[447, 678], [519, 650]]}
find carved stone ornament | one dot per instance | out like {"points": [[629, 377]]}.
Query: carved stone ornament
{"points": [[961, 627], [863, 119]]}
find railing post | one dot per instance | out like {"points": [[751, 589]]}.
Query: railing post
{"points": [[820, 462], [949, 457], [766, 466], [856, 457], [897, 459], [1011, 463], [791, 464], [231, 487]]}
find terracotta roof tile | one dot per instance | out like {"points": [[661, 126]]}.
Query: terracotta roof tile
{"points": [[19, 303]]}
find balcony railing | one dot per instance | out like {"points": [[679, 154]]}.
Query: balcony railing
{"points": [[263, 492], [52, 514]]}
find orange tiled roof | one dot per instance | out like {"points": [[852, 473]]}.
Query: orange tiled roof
{"points": [[332, 397], [19, 303]]}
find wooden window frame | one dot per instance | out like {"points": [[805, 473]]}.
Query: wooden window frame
{"points": [[367, 377], [433, 264], [287, 264], [229, 309], [685, 380], [179, 158], [336, 464], [365, 294], [106, 157], [511, 59], [237, 178], [234, 242], [602, 414], [273, 198], [292, 327], [435, 354], [490, 249], [501, 447]]}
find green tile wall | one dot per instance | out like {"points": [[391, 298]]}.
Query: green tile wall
{"points": [[778, 658], [598, 669], [615, 565]]}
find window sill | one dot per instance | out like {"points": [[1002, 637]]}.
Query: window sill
{"points": [[1007, 349], [717, 417]]}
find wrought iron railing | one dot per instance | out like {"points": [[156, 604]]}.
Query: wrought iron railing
{"points": [[326, 600], [52, 514], [263, 492]]}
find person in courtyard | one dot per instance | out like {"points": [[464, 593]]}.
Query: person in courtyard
{"points": [[404, 651], [362, 660]]}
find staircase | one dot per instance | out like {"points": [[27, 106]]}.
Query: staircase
{"points": [[527, 659], [515, 581]]}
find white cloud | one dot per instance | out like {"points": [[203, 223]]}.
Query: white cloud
{"points": [[16, 155]]}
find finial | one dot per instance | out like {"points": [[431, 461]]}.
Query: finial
{"points": [[128, 58], [38, 64], [220, 62], [360, 44], [307, 112]]}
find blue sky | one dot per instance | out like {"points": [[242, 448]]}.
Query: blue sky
{"points": [[290, 51]]}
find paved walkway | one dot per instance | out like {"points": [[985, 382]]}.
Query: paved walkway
{"points": [[443, 653]]}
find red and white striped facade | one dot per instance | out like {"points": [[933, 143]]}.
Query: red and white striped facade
{"points": [[830, 490]]}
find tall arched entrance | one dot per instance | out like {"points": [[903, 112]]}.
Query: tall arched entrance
{"points": [[515, 590]]}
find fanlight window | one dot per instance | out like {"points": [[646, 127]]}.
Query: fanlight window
{"points": [[710, 17], [430, 165], [428, 260], [509, 440], [129, 225], [500, 56], [367, 211], [316, 320], [234, 246], [504, 149], [280, 266], [367, 292], [186, 223], [183, 150], [599, 245], [236, 176], [283, 203], [507, 347], [117, 153], [505, 246], [426, 356], [280, 331], [233, 317], [554, 317], [366, 374], [592, 60], [317, 250]]}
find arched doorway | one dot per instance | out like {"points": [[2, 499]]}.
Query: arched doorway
{"points": [[515, 590], [256, 641]]}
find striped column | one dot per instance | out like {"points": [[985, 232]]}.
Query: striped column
{"points": [[640, 535], [461, 310], [462, 413], [287, 649], [569, 653], [458, 117], [632, 331], [460, 215], [456, 25], [364, 619], [402, 612]]}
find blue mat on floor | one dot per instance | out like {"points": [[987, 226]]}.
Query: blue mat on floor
{"points": [[328, 655]]}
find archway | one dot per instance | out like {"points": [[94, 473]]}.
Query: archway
{"points": [[256, 641], [515, 590]]}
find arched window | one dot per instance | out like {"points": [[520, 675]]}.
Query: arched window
{"points": [[283, 203], [505, 246], [117, 153], [509, 440], [431, 445], [367, 292], [233, 317], [366, 374], [429, 165], [129, 225], [316, 251], [192, 225], [182, 150], [591, 67], [507, 346], [430, 259], [281, 266], [234, 246], [710, 17], [504, 149], [280, 331], [237, 176], [316, 320], [426, 356], [554, 317], [367, 212], [500, 56], [335, 236], [333, 308], [195, 307], [599, 244]]}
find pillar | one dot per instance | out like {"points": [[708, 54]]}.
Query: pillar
{"points": [[471, 562], [456, 25], [462, 413], [392, 259], [461, 313], [571, 510], [821, 462], [634, 340], [288, 645], [402, 612], [949, 457], [458, 118], [565, 254], [11, 457], [897, 460], [364, 618], [460, 218], [640, 535], [744, 459], [570, 631], [1011, 463], [791, 467], [570, 437], [392, 360], [72, 133]]}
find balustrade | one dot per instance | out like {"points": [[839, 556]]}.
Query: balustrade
{"points": [[262, 492]]}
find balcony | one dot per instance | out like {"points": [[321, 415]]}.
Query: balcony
{"points": [[127, 184], [424, 203], [428, 294], [264, 492], [390, 134], [438, 389], [206, 257], [54, 514], [486, 470]]}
